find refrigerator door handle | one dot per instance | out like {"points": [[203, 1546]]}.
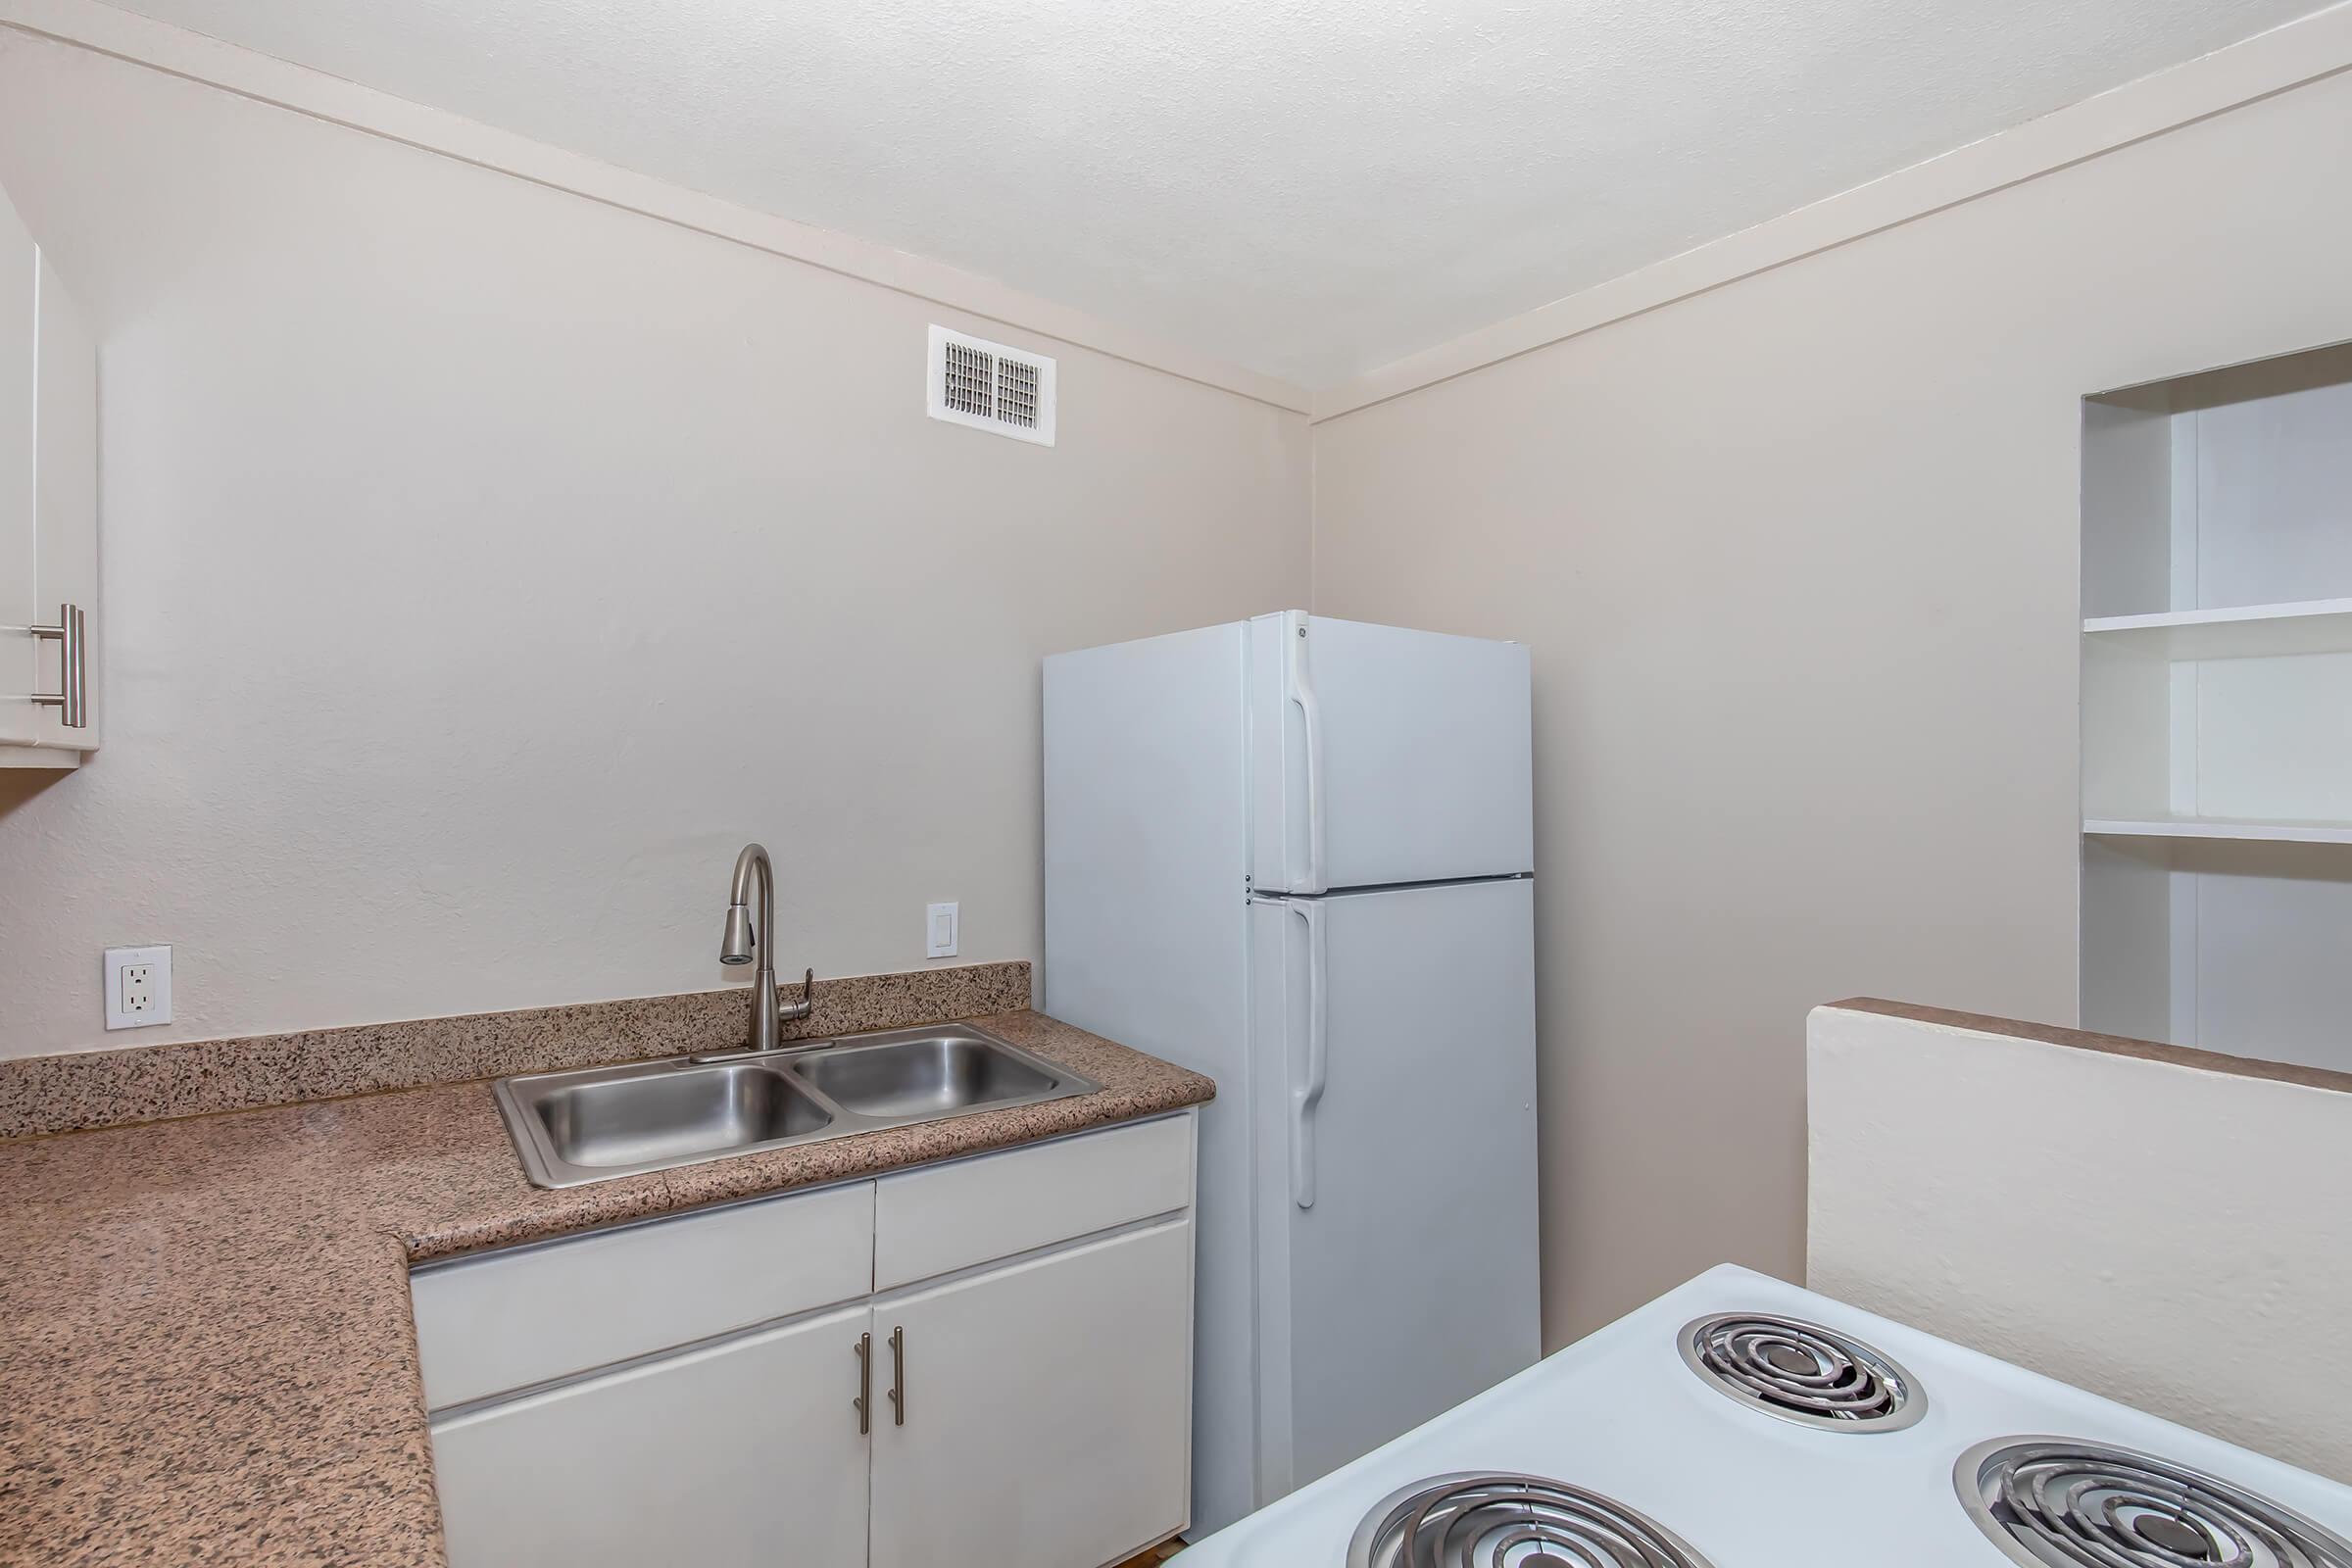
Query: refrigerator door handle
{"points": [[1311, 719], [1305, 1096]]}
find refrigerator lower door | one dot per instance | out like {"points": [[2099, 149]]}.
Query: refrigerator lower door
{"points": [[1393, 1108], [1378, 754]]}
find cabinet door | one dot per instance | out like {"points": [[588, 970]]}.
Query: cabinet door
{"points": [[20, 577], [1044, 1409], [66, 491], [745, 1454]]}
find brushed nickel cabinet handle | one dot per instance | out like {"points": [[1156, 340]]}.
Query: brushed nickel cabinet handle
{"points": [[898, 1377], [865, 1350], [73, 685]]}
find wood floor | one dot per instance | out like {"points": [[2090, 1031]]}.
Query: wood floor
{"points": [[1156, 1557]]}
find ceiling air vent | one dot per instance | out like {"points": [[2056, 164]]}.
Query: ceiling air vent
{"points": [[991, 388]]}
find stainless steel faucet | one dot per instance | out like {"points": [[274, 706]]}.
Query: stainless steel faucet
{"points": [[741, 936]]}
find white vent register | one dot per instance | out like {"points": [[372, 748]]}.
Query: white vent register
{"points": [[991, 388]]}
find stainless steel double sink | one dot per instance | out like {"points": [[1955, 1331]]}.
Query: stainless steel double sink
{"points": [[597, 1123]]}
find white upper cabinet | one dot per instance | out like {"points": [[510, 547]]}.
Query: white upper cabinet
{"points": [[49, 699], [19, 583]]}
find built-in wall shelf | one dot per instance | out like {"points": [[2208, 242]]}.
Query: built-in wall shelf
{"points": [[2207, 827], [2243, 631], [2217, 709]]}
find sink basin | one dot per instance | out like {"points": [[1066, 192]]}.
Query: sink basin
{"points": [[598, 1123], [648, 1120], [937, 1074]]}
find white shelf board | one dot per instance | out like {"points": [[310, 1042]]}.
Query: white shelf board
{"points": [[2243, 631], [2208, 827]]}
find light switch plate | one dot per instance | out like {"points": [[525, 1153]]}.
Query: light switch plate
{"points": [[139, 987], [939, 931]]}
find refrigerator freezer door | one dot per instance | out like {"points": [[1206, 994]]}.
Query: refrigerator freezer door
{"points": [[1381, 756], [1396, 1162]]}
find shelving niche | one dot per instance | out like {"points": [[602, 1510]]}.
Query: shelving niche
{"points": [[2217, 709]]}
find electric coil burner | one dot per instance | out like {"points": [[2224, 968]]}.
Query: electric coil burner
{"points": [[1507, 1521], [2052, 1502], [1799, 1371]]}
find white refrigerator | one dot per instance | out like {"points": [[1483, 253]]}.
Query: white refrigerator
{"points": [[1297, 853]]}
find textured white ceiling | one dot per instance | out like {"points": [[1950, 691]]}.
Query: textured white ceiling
{"points": [[1306, 187]]}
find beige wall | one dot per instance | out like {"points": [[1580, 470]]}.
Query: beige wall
{"points": [[2165, 1235], [1798, 561], [483, 566]]}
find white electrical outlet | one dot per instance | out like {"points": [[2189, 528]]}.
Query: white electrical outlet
{"points": [[939, 931], [139, 987]]}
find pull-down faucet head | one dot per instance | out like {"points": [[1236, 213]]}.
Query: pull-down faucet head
{"points": [[742, 937], [735, 946]]}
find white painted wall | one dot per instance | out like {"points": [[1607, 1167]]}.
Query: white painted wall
{"points": [[484, 564], [2170, 1237], [1797, 559]]}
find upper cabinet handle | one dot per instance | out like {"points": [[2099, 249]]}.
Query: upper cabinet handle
{"points": [[73, 694]]}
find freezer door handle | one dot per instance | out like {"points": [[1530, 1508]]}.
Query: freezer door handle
{"points": [[1307, 1095], [1302, 694]]}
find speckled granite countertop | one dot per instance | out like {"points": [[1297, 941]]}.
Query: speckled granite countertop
{"points": [[206, 1352]]}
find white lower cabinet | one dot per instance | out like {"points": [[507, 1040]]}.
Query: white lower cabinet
{"points": [[1034, 1411], [1046, 1409], [744, 1454]]}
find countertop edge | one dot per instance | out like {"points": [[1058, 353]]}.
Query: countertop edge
{"points": [[2050, 1034]]}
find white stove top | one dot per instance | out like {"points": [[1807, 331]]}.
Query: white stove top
{"points": [[1620, 1413]]}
